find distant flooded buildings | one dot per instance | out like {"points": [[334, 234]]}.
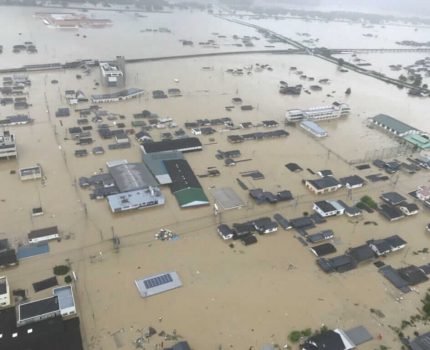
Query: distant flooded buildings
{"points": [[7, 145], [71, 20], [336, 110]]}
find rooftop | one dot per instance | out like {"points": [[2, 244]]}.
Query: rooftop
{"points": [[324, 182], [137, 199], [323, 249], [158, 283], [50, 334], [392, 123], [418, 140], [325, 206], [43, 232], [421, 342], [393, 198], [227, 198], [65, 296], [132, 176], [154, 162], [38, 307], [313, 127], [182, 145]]}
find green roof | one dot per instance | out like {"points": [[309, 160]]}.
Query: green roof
{"points": [[392, 123], [418, 140], [191, 197]]}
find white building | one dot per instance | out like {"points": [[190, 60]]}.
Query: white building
{"points": [[122, 95], [7, 145], [336, 110], [66, 301], [31, 173], [138, 199], [196, 131], [328, 208], [4, 292], [111, 74]]}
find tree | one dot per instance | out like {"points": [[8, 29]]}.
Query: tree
{"points": [[402, 77], [295, 336], [340, 61], [60, 270]]}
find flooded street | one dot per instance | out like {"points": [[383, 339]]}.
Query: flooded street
{"points": [[233, 297]]}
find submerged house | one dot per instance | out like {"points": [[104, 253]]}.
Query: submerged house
{"points": [[329, 340], [325, 184], [328, 208], [386, 245]]}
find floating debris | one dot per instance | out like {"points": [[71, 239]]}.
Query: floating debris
{"points": [[166, 235]]}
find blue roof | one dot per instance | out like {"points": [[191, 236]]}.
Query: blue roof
{"points": [[314, 127], [32, 250]]}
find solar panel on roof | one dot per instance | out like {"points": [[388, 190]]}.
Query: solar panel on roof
{"points": [[157, 281]]}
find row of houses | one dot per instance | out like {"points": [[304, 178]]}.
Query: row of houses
{"points": [[328, 184], [244, 231], [395, 206], [363, 253], [257, 136]]}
